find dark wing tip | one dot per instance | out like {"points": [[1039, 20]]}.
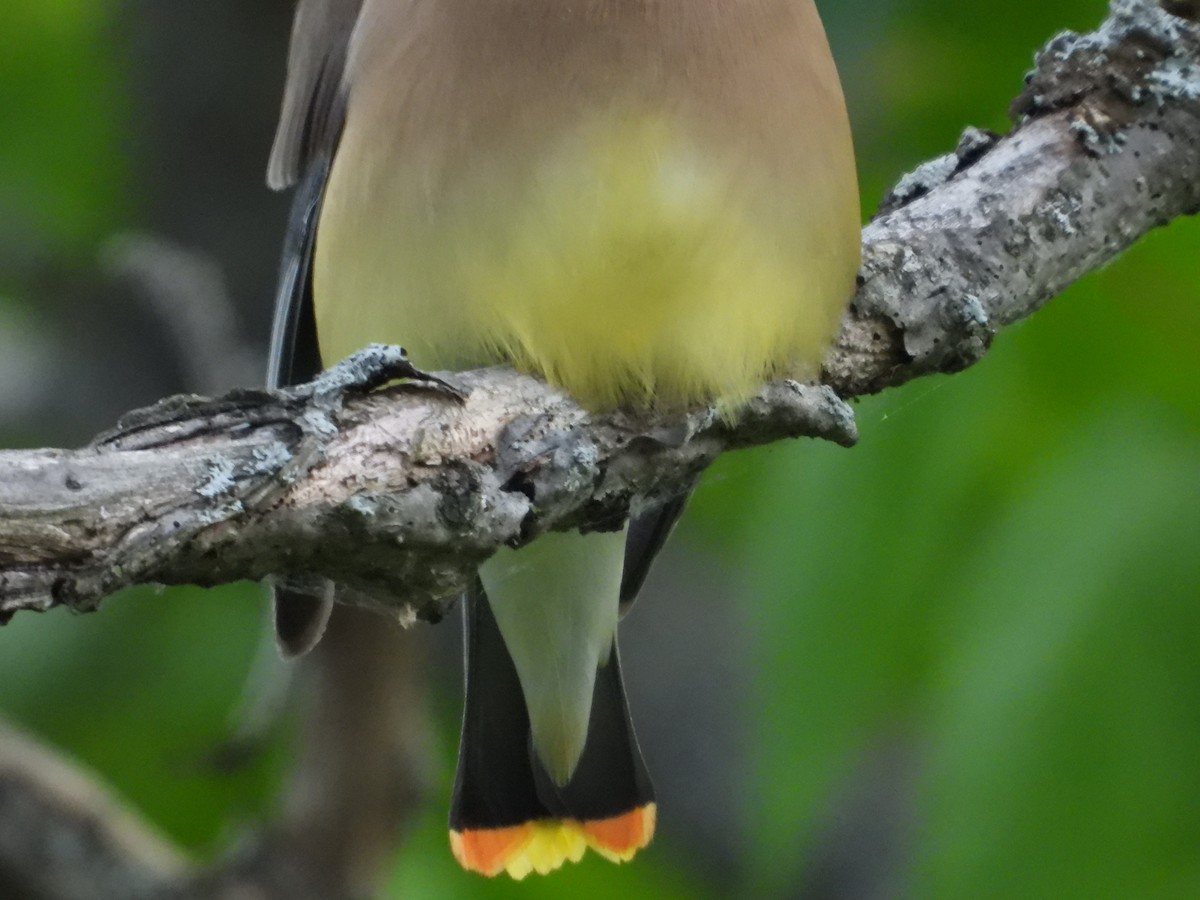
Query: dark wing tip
{"points": [[301, 614]]}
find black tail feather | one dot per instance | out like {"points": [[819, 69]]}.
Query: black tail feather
{"points": [[499, 782]]}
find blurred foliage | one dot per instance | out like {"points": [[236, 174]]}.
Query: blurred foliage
{"points": [[997, 590], [63, 177]]}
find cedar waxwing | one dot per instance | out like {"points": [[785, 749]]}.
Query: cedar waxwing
{"points": [[647, 202]]}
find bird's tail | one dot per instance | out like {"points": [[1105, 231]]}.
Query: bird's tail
{"points": [[507, 814]]}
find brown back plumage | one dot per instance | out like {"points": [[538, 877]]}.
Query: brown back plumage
{"points": [[440, 76]]}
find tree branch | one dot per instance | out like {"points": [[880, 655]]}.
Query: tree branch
{"points": [[62, 835], [401, 490]]}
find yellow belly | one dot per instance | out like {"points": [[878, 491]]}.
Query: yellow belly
{"points": [[621, 263]]}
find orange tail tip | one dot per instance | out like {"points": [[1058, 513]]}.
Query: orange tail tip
{"points": [[617, 839], [488, 850], [544, 845]]}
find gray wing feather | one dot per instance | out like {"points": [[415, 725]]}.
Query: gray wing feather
{"points": [[311, 117], [309, 127]]}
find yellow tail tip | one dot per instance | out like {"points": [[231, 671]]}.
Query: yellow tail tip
{"points": [[545, 844]]}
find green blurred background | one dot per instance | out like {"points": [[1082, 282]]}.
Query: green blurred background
{"points": [[958, 660]]}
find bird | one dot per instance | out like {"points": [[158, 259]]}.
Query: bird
{"points": [[651, 204]]}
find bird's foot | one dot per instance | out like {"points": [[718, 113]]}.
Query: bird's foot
{"points": [[370, 368]]}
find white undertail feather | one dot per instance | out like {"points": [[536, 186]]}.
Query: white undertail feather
{"points": [[556, 602]]}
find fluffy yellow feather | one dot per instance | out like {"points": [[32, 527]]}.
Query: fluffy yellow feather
{"points": [[621, 263]]}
